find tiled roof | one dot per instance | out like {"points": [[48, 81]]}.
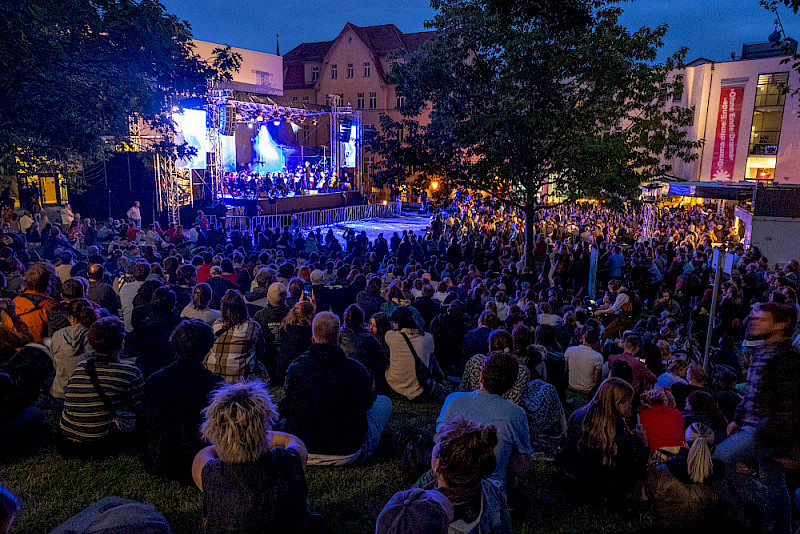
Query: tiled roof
{"points": [[308, 52]]}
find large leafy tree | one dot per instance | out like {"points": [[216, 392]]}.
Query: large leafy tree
{"points": [[74, 73], [536, 101]]}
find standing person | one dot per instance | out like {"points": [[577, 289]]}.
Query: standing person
{"points": [[329, 402], [252, 477], [134, 214], [766, 432], [66, 218]]}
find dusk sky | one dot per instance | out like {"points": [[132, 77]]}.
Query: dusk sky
{"points": [[709, 28]]}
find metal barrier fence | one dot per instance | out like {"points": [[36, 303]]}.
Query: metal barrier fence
{"points": [[308, 219]]}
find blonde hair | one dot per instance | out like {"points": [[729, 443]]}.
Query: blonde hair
{"points": [[602, 418], [301, 313], [700, 438], [238, 422], [659, 396]]}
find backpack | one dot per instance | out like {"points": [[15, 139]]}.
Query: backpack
{"points": [[36, 317], [633, 307]]}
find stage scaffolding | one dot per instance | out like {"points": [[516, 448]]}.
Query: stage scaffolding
{"points": [[173, 186]]}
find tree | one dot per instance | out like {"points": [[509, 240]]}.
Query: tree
{"points": [[74, 73], [538, 96]]}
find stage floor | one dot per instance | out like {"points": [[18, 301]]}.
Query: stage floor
{"points": [[297, 203]]}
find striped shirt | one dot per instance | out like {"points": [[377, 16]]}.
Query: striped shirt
{"points": [[85, 418]]}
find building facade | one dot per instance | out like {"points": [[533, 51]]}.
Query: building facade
{"points": [[351, 71], [747, 115]]}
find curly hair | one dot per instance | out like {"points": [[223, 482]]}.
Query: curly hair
{"points": [[465, 451], [238, 422]]}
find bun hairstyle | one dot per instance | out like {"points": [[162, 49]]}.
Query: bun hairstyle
{"points": [[82, 311], [700, 439], [465, 451]]}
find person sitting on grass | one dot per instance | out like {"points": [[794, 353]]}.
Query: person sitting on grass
{"points": [[462, 459], [174, 398], [603, 458], [329, 402], [102, 382], [486, 406], [252, 477]]}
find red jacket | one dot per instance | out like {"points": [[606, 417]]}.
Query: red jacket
{"points": [[663, 425]]}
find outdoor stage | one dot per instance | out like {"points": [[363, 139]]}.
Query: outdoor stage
{"points": [[297, 203]]}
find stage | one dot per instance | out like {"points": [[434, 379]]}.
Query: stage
{"points": [[296, 203]]}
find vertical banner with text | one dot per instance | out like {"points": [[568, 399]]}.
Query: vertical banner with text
{"points": [[730, 107]]}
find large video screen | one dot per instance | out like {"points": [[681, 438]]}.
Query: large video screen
{"points": [[190, 127]]}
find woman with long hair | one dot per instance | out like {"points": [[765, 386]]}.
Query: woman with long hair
{"points": [[252, 477], [198, 308], [603, 456], [294, 337], [239, 350]]}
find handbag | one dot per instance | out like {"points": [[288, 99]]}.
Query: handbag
{"points": [[424, 376], [125, 421]]}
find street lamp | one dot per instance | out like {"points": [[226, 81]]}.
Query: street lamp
{"points": [[434, 185]]}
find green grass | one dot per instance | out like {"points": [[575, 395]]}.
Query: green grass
{"points": [[52, 488]]}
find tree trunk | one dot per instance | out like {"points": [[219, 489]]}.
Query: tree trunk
{"points": [[529, 212]]}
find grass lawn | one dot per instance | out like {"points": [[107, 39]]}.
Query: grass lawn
{"points": [[52, 488]]}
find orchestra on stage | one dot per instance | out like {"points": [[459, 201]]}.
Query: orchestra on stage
{"points": [[254, 185]]}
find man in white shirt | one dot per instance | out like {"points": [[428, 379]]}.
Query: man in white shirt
{"points": [[66, 217], [584, 369], [126, 295], [134, 214]]}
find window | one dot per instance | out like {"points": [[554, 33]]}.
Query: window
{"points": [[360, 101], [306, 132], [771, 90], [314, 74], [349, 70], [768, 114], [367, 69], [305, 100], [401, 101], [662, 95], [373, 100], [334, 71], [294, 99]]}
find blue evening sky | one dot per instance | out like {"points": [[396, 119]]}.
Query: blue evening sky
{"points": [[709, 28]]}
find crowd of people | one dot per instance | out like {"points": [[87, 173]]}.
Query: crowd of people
{"points": [[589, 355]]}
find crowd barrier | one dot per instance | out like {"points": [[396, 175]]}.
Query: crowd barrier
{"points": [[307, 219]]}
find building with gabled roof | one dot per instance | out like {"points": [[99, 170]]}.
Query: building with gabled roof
{"points": [[349, 70]]}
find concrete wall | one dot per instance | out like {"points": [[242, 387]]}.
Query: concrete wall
{"points": [[262, 71]]}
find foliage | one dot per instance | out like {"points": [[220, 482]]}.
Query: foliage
{"points": [[74, 73], [533, 93]]}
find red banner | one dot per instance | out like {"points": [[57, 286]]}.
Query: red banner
{"points": [[730, 107]]}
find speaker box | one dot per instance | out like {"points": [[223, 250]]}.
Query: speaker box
{"points": [[227, 119]]}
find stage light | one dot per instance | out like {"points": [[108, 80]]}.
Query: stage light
{"points": [[385, 202]]}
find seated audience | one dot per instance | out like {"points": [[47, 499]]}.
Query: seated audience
{"points": [[499, 341], [329, 402], [407, 343], [198, 307], [69, 345]]}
